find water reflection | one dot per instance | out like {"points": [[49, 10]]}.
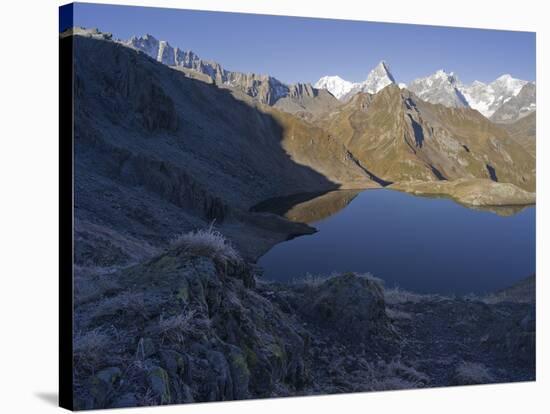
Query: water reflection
{"points": [[308, 207], [316, 206], [425, 244]]}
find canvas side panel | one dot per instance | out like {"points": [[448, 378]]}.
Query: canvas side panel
{"points": [[66, 118]]}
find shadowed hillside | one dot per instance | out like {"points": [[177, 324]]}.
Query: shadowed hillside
{"points": [[158, 153]]}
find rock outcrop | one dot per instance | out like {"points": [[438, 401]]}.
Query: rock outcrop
{"points": [[186, 327], [517, 106], [264, 88]]}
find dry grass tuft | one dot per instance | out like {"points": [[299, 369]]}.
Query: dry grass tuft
{"points": [[176, 328], [210, 243]]}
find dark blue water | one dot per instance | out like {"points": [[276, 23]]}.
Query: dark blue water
{"points": [[421, 244]]}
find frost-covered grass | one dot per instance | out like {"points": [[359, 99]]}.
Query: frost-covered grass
{"points": [[91, 283], [131, 303], [210, 243], [317, 279], [467, 373], [395, 375], [395, 296], [176, 328], [89, 348], [396, 314]]}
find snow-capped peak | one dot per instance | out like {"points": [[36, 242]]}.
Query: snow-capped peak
{"points": [[504, 77], [487, 98], [508, 83], [378, 78], [335, 85], [441, 87]]}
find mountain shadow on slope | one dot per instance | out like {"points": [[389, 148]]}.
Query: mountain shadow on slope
{"points": [[157, 153]]}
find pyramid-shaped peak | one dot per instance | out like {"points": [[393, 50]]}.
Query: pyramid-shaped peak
{"points": [[384, 65], [383, 68], [378, 78]]}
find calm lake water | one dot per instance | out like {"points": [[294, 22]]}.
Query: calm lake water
{"points": [[430, 245]]}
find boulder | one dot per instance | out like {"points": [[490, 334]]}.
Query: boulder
{"points": [[348, 305]]}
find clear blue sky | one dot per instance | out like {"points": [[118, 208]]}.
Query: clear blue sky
{"points": [[301, 49]]}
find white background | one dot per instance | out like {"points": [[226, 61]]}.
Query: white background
{"points": [[28, 205]]}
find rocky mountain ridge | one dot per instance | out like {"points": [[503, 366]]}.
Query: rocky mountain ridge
{"points": [[267, 89]]}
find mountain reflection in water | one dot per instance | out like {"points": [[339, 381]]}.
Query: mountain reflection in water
{"points": [[308, 207], [432, 245]]}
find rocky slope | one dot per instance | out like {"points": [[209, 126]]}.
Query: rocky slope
{"points": [[264, 88], [158, 153], [398, 137], [524, 131], [186, 327], [517, 106]]}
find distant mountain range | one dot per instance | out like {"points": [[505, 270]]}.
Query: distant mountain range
{"points": [[506, 99]]}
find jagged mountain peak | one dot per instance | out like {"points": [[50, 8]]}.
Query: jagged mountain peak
{"points": [[440, 88], [508, 83], [385, 67], [378, 78], [263, 87], [488, 98], [441, 75]]}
